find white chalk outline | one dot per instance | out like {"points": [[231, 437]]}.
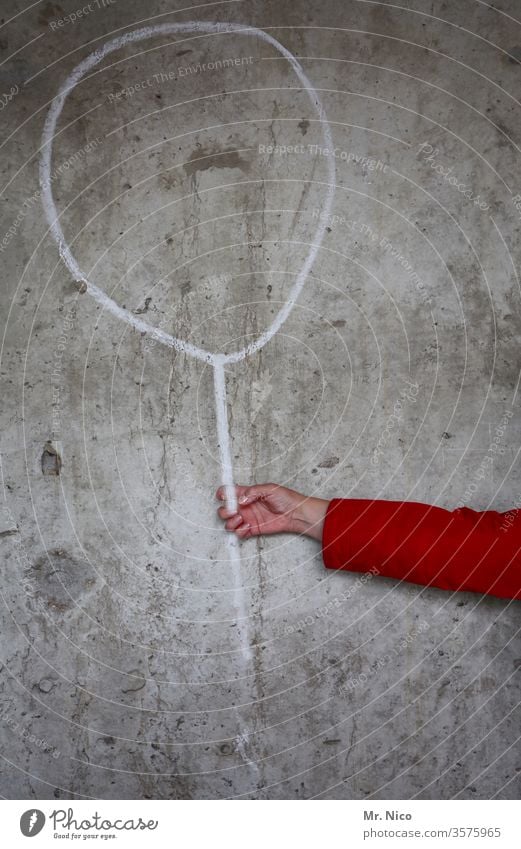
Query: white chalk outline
{"points": [[217, 361]]}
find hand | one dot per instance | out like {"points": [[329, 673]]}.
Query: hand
{"points": [[272, 509]]}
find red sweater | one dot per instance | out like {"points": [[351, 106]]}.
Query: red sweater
{"points": [[459, 550]]}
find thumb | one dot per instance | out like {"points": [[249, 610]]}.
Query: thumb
{"points": [[250, 494]]}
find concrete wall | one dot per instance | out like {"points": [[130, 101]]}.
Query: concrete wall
{"points": [[122, 672]]}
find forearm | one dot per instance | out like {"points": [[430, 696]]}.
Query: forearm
{"points": [[459, 550], [308, 518]]}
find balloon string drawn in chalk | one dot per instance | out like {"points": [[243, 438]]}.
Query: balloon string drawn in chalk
{"points": [[218, 361]]}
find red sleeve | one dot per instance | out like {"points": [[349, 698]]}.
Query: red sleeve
{"points": [[459, 550]]}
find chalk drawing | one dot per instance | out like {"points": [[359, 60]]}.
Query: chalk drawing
{"points": [[218, 361]]}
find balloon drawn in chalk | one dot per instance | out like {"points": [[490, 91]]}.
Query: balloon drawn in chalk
{"points": [[217, 361]]}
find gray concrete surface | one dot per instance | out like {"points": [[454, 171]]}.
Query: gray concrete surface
{"points": [[122, 675]]}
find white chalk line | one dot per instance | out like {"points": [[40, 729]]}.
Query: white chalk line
{"points": [[223, 435], [217, 361], [53, 218]]}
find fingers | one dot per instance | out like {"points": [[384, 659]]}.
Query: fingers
{"points": [[233, 520], [226, 513], [233, 523], [244, 531]]}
